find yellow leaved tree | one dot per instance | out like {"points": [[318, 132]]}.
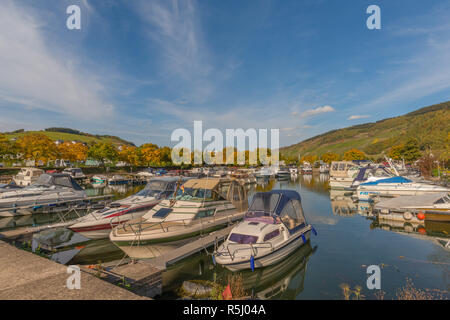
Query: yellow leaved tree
{"points": [[37, 147]]}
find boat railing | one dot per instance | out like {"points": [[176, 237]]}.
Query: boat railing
{"points": [[183, 223], [40, 203], [245, 247]]}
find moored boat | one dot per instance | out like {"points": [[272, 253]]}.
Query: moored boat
{"points": [[27, 176], [75, 173], [342, 174], [118, 179], [50, 190], [99, 179], [428, 207], [395, 186], [98, 224], [200, 206], [273, 227]]}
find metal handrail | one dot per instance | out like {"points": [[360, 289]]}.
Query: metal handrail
{"points": [[184, 224], [243, 247]]}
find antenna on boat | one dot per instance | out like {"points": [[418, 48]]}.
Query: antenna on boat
{"points": [[174, 199], [392, 165]]}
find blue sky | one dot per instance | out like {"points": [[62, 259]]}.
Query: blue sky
{"points": [[140, 69]]}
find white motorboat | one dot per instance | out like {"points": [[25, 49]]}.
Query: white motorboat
{"points": [[99, 179], [395, 186], [371, 174], [27, 176], [146, 173], [75, 173], [307, 168], [433, 207], [273, 227], [98, 224], [293, 171], [342, 174], [9, 187], [265, 173], [50, 190], [324, 169], [199, 207], [282, 173]]}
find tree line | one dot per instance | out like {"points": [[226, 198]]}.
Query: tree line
{"points": [[40, 148]]}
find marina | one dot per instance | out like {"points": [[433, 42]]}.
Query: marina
{"points": [[333, 217]]}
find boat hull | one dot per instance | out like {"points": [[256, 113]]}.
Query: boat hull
{"points": [[271, 258], [369, 195], [154, 248]]}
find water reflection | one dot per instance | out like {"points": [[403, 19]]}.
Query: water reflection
{"points": [[284, 280], [437, 232]]}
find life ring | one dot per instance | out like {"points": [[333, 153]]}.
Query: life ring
{"points": [[407, 215], [421, 215]]}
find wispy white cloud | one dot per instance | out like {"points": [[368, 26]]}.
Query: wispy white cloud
{"points": [[186, 59], [355, 117], [316, 111], [36, 75]]}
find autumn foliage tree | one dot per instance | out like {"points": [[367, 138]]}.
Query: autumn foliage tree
{"points": [[130, 155], [329, 157], [72, 151], [7, 148], [310, 158], [408, 151], [150, 154], [37, 147], [354, 154], [103, 152]]}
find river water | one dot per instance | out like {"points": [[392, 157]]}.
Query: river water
{"points": [[349, 239]]}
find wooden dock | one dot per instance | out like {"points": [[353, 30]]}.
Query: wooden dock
{"points": [[195, 246]]}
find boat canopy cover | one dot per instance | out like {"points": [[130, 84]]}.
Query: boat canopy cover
{"points": [[396, 179], [56, 179], [274, 201], [203, 183], [276, 206]]}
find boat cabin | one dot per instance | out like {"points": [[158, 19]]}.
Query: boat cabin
{"points": [[214, 189], [339, 169], [27, 176], [274, 208]]}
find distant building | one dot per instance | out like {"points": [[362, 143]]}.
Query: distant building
{"points": [[92, 163]]}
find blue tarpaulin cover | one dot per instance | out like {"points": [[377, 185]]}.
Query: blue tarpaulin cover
{"points": [[388, 180]]}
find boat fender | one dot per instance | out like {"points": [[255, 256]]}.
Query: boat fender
{"points": [[407, 215], [252, 263], [314, 231], [304, 238], [421, 215]]}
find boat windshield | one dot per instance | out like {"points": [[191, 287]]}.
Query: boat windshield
{"points": [[242, 238], [46, 180], [264, 203], [152, 189], [195, 194]]}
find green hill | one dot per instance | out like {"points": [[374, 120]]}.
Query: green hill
{"points": [[67, 134], [429, 125]]}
